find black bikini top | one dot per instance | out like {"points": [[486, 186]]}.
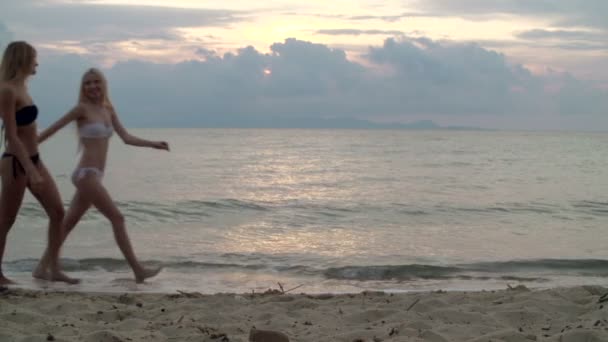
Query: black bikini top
{"points": [[26, 115]]}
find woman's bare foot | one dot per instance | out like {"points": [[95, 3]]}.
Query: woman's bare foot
{"points": [[40, 273], [147, 273], [60, 276], [5, 281]]}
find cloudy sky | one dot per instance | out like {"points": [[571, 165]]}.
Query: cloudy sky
{"points": [[512, 64]]}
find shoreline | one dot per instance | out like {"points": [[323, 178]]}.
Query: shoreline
{"points": [[515, 314]]}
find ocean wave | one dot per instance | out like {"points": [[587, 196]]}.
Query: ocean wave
{"points": [[538, 270], [197, 210], [482, 270]]}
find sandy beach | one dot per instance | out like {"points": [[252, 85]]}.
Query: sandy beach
{"points": [[515, 314]]}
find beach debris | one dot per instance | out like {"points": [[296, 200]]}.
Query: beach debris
{"points": [[190, 294], [206, 330], [283, 291], [223, 337], [394, 331], [256, 335], [603, 298], [519, 287], [273, 292], [280, 291], [412, 305], [214, 334], [50, 337], [322, 296], [126, 299]]}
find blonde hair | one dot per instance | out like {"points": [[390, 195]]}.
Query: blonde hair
{"points": [[104, 87], [17, 59], [82, 98]]}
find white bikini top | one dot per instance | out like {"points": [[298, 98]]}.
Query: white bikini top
{"points": [[95, 130]]}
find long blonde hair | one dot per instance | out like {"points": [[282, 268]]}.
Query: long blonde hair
{"points": [[17, 59], [82, 98], [104, 87]]}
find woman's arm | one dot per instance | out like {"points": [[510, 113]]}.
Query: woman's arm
{"points": [[7, 107], [70, 116], [133, 140]]}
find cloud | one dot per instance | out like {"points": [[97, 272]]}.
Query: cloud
{"points": [[47, 20], [6, 36], [408, 78], [453, 78], [579, 13], [387, 18], [567, 39], [561, 34], [357, 32]]}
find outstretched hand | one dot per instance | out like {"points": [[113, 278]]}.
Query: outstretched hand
{"points": [[161, 145]]}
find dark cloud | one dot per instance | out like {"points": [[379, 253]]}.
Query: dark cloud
{"points": [[453, 78], [535, 44], [568, 17], [567, 39], [580, 13], [55, 21], [357, 32], [413, 77], [561, 34], [387, 18]]}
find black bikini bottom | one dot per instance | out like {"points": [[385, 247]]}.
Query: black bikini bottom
{"points": [[17, 167]]}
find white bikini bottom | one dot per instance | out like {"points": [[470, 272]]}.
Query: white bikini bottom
{"points": [[82, 172]]}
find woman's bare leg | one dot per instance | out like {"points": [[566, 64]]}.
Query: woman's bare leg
{"points": [[78, 207], [11, 196], [97, 195], [50, 200]]}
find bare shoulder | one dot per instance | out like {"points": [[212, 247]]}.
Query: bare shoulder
{"points": [[7, 91], [80, 107], [79, 110]]}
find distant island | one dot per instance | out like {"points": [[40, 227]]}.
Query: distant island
{"points": [[304, 123]]}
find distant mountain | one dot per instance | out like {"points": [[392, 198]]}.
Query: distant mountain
{"points": [[282, 122]]}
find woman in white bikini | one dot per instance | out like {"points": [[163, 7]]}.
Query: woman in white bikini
{"points": [[96, 121]]}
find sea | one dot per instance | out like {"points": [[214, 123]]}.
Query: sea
{"points": [[335, 211]]}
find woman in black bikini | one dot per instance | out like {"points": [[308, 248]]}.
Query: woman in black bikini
{"points": [[20, 166]]}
